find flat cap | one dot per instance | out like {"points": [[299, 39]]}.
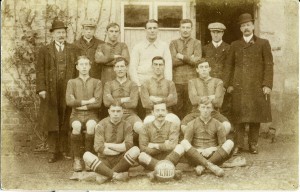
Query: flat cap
{"points": [[89, 22], [216, 26]]}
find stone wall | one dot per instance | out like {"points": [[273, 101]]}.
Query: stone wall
{"points": [[277, 21]]}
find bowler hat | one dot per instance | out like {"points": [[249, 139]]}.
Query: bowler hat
{"points": [[89, 23], [216, 26], [57, 25], [246, 17]]}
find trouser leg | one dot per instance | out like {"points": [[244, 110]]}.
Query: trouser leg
{"points": [[253, 133], [53, 142], [239, 135]]}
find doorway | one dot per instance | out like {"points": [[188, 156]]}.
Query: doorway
{"points": [[226, 12]]}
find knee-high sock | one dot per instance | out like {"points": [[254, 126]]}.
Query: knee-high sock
{"points": [[89, 143], [173, 157], [196, 156], [76, 142], [219, 157], [101, 168], [124, 164]]}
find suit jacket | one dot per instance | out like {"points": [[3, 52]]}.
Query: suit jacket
{"points": [[89, 49], [46, 80], [248, 68], [216, 58]]}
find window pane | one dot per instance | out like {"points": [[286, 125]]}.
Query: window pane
{"points": [[136, 15], [169, 16]]}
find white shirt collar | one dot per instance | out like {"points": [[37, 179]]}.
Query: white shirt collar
{"points": [[247, 39], [58, 44], [217, 44], [88, 40], [147, 43]]}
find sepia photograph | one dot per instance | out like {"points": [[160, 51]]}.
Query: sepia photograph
{"points": [[102, 95]]}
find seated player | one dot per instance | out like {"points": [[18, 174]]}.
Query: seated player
{"points": [[205, 143], [125, 92], [159, 90], [158, 140], [84, 95], [209, 87], [114, 145]]}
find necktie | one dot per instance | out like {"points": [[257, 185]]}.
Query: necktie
{"points": [[59, 47]]}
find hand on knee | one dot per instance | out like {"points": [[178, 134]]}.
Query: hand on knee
{"points": [[228, 146], [186, 144], [144, 158], [90, 127], [76, 127]]}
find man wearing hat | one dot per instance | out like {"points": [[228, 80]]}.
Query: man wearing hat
{"points": [[248, 75], [88, 44], [215, 54], [55, 66]]}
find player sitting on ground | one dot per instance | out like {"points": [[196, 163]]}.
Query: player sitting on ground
{"points": [[114, 145]]}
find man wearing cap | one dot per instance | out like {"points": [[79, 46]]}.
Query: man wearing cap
{"points": [[215, 54], [88, 44], [55, 66], [248, 76], [185, 51]]}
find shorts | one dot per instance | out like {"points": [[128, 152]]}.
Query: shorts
{"points": [[83, 117]]}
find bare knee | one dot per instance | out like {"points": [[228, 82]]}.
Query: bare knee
{"points": [[89, 158], [186, 144], [173, 118], [228, 146], [227, 127], [137, 127], [179, 149], [132, 154], [90, 126], [76, 127], [144, 158], [149, 119]]}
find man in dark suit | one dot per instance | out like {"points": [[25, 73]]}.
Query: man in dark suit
{"points": [[55, 66], [215, 54], [88, 44], [248, 75]]}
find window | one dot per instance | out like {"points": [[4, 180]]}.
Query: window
{"points": [[136, 15], [169, 16]]}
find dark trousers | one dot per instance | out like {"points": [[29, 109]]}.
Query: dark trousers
{"points": [[183, 105], [253, 134], [226, 108], [58, 141]]}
